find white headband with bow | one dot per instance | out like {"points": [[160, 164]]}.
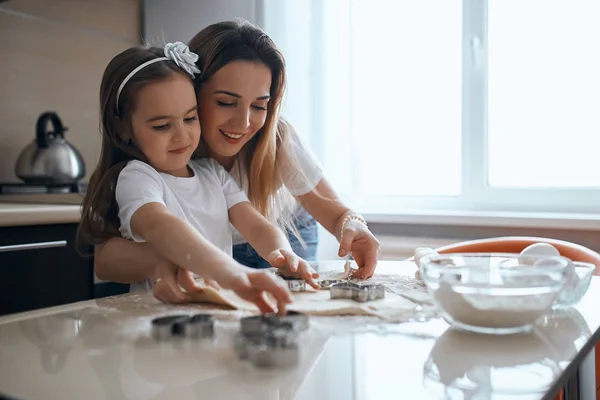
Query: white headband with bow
{"points": [[177, 52]]}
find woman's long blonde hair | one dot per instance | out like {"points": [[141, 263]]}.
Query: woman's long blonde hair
{"points": [[269, 150]]}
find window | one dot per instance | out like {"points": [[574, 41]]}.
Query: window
{"points": [[406, 96], [449, 104], [544, 93]]}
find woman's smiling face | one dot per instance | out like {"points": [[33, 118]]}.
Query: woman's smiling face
{"points": [[233, 107]]}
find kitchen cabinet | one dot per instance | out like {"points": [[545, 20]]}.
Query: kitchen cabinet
{"points": [[40, 267]]}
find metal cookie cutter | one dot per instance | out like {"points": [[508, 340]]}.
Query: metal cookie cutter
{"points": [[199, 325], [294, 284], [361, 293], [327, 283], [274, 348], [258, 324], [269, 340]]}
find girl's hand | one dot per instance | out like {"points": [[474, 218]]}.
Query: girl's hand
{"points": [[358, 240], [253, 285], [291, 265]]}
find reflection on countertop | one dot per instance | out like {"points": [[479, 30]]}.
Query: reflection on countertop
{"points": [[510, 365], [114, 356]]}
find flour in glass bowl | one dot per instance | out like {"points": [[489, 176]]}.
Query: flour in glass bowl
{"points": [[492, 311]]}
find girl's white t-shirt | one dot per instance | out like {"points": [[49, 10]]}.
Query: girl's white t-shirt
{"points": [[203, 200], [298, 179]]}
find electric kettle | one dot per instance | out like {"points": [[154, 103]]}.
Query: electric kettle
{"points": [[50, 159]]}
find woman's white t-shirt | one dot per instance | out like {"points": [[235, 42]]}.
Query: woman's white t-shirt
{"points": [[298, 179], [203, 200]]}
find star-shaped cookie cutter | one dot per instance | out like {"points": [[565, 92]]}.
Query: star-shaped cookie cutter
{"points": [[353, 291], [327, 283]]}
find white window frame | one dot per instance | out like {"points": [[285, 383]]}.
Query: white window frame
{"points": [[476, 190]]}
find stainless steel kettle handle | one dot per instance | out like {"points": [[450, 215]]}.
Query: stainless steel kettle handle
{"points": [[41, 131]]}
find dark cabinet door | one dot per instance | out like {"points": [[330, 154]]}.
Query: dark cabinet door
{"points": [[40, 267]]}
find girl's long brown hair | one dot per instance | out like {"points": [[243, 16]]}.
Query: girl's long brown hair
{"points": [[99, 220], [219, 44]]}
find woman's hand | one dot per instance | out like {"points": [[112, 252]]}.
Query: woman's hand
{"points": [[165, 285], [358, 240], [187, 282], [291, 265], [174, 285]]}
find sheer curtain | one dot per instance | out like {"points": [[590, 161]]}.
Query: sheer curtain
{"points": [[373, 89], [314, 37]]}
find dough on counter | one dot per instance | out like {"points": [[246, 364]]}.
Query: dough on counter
{"points": [[318, 303]]}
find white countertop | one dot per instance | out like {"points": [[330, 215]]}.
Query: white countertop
{"points": [[20, 214], [102, 349]]}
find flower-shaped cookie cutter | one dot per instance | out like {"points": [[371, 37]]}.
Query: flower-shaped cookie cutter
{"points": [[195, 326], [353, 291], [294, 284]]}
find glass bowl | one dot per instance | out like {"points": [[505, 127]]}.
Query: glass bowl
{"points": [[577, 285], [493, 293]]}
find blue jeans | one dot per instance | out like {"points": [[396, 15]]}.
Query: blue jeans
{"points": [[308, 229]]}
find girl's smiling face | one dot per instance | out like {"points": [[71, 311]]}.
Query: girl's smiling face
{"points": [[165, 124]]}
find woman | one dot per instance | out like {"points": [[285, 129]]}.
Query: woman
{"points": [[240, 90]]}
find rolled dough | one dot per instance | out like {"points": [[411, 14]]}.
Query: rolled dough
{"points": [[318, 303]]}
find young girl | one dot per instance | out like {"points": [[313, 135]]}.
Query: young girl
{"points": [[146, 187]]}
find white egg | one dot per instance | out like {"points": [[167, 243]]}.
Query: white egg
{"points": [[420, 252], [528, 255], [545, 249]]}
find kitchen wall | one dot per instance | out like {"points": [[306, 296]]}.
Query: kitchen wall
{"points": [[180, 20], [52, 55]]}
